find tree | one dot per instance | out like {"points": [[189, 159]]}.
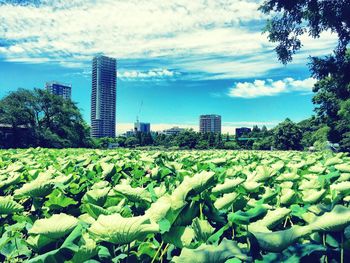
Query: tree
{"points": [[218, 141], [187, 138], [344, 125], [332, 94], [231, 145], [290, 20], [287, 136], [131, 141], [264, 143], [16, 111], [50, 120], [145, 138]]}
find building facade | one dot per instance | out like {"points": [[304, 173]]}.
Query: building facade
{"points": [[103, 97], [173, 131], [210, 123], [143, 127], [59, 89], [242, 131]]}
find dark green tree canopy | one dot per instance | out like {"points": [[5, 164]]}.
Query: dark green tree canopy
{"points": [[288, 136], [48, 120], [292, 18]]}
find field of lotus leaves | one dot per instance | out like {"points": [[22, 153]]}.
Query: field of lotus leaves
{"points": [[81, 205]]}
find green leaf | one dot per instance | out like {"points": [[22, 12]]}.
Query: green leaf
{"points": [[108, 170], [136, 194], [202, 229], [96, 196], [214, 238], [227, 186], [39, 187], [9, 206], [270, 220], [58, 200], [225, 201], [164, 225], [336, 220], [124, 231], [344, 167], [280, 240], [211, 254], [54, 227], [95, 211], [87, 250], [37, 242], [11, 179], [245, 218], [179, 236]]}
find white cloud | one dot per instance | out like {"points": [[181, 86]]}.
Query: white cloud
{"points": [[145, 75], [211, 37], [121, 28], [261, 88]]}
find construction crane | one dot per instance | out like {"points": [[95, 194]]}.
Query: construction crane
{"points": [[137, 116]]}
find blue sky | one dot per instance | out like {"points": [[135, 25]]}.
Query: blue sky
{"points": [[179, 59]]}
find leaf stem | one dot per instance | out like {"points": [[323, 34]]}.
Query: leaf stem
{"points": [[324, 244], [127, 259], [201, 211], [342, 248], [160, 247], [163, 252]]}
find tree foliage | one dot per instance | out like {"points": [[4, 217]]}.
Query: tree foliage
{"points": [[287, 136], [47, 120], [292, 19]]}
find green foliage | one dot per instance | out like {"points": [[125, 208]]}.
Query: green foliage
{"points": [[287, 136], [79, 205], [289, 21], [38, 118]]}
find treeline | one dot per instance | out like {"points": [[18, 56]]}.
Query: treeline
{"points": [[285, 136], [32, 118]]}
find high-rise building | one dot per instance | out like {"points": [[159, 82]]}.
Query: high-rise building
{"points": [[242, 131], [210, 123], [142, 127], [59, 89], [103, 97]]}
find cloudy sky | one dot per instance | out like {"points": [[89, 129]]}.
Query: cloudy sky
{"points": [[178, 59]]}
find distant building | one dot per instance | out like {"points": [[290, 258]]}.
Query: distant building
{"points": [[142, 127], [210, 123], [103, 97], [9, 139], [129, 133], [242, 131], [59, 89], [173, 131]]}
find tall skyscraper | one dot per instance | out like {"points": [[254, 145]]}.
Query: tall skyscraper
{"points": [[59, 89], [103, 97], [210, 123]]}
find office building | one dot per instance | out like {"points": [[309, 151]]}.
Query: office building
{"points": [[142, 127], [210, 123], [103, 97], [59, 89], [242, 131], [173, 131]]}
